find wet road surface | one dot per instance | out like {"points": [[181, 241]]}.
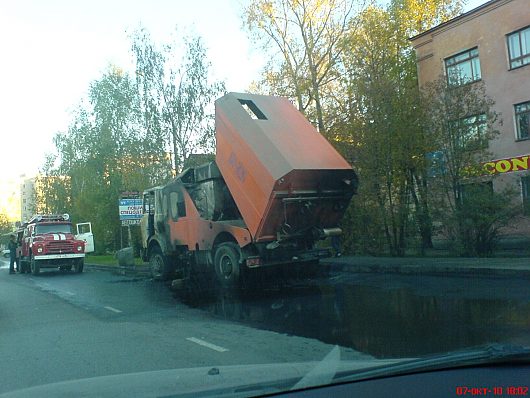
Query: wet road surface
{"points": [[388, 315]]}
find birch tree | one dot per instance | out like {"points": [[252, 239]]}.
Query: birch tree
{"points": [[306, 34], [176, 99]]}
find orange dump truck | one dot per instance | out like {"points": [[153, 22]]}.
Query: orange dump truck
{"points": [[276, 188]]}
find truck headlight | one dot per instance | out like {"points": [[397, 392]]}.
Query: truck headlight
{"points": [[79, 248], [39, 250]]}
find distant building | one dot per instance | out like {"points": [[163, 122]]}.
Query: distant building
{"points": [[39, 194], [490, 43], [28, 198]]}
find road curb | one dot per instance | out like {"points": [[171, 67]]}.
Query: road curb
{"points": [[354, 265], [120, 270], [351, 266]]}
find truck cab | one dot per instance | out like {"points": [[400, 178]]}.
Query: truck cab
{"points": [[48, 241]]}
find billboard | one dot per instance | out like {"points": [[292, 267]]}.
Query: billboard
{"points": [[130, 209], [508, 165]]}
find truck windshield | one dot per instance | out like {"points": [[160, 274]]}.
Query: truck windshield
{"points": [[53, 228]]}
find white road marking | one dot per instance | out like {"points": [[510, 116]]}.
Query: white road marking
{"points": [[70, 293], [206, 344], [113, 309]]}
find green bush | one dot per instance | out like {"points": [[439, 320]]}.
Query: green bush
{"points": [[477, 222]]}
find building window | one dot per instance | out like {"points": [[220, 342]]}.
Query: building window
{"points": [[467, 192], [525, 188], [463, 68], [522, 120], [471, 132], [519, 48]]}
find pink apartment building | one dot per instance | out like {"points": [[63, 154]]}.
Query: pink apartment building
{"points": [[490, 43]]}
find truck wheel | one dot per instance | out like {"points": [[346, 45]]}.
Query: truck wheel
{"points": [[158, 265], [79, 265], [226, 262], [35, 266]]}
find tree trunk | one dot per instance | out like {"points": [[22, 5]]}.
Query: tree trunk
{"points": [[422, 211]]}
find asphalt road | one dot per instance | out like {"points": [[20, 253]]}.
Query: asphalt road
{"points": [[67, 326]]}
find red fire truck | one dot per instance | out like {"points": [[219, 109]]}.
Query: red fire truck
{"points": [[49, 242]]}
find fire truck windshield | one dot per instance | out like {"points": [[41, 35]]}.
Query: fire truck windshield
{"points": [[53, 228]]}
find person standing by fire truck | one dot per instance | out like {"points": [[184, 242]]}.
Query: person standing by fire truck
{"points": [[12, 246]]}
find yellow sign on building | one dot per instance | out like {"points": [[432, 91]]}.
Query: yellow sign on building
{"points": [[508, 165]]}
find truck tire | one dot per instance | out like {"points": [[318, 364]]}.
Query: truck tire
{"points": [[158, 265], [79, 265], [34, 265], [226, 263]]}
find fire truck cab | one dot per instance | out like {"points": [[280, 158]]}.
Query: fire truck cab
{"points": [[49, 242]]}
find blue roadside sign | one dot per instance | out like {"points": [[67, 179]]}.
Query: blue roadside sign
{"points": [[130, 209]]}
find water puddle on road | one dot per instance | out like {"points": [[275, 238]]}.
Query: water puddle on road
{"points": [[384, 321]]}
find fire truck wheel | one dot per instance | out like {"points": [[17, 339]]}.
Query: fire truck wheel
{"points": [[35, 266], [158, 265], [226, 262], [79, 265]]}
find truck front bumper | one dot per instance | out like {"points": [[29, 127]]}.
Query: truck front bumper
{"points": [[304, 257], [59, 256]]}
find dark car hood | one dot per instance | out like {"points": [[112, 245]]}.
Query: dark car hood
{"points": [[257, 380], [239, 380]]}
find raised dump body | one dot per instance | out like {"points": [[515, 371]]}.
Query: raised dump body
{"points": [[276, 188], [284, 176]]}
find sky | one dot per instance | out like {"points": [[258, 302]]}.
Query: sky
{"points": [[53, 49]]}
